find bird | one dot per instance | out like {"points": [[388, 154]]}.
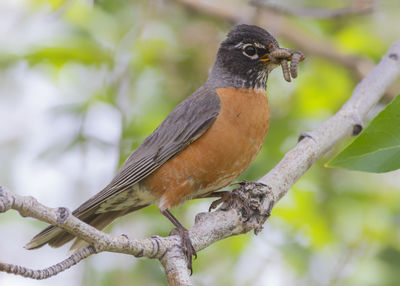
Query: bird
{"points": [[202, 146]]}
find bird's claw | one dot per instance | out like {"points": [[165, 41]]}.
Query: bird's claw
{"points": [[229, 198], [224, 197], [187, 247]]}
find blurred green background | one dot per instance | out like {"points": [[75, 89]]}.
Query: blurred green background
{"points": [[83, 83]]}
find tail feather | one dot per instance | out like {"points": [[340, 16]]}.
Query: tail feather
{"points": [[99, 222], [57, 237], [47, 235]]}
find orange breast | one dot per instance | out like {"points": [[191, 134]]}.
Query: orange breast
{"points": [[220, 155]]}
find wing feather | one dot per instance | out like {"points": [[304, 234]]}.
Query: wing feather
{"points": [[186, 123]]}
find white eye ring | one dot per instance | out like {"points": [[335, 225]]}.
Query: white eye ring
{"points": [[253, 56]]}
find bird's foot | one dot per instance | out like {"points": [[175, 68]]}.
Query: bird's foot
{"points": [[224, 196], [254, 201], [228, 198], [187, 247]]}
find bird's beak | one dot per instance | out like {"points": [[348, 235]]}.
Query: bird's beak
{"points": [[265, 58]]}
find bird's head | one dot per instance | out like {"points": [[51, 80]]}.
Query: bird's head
{"points": [[245, 57]]}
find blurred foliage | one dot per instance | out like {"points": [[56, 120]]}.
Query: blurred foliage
{"points": [[377, 149], [139, 59]]}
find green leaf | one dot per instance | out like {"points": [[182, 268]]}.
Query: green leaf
{"points": [[377, 149]]}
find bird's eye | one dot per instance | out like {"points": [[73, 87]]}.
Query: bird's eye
{"points": [[250, 50]]}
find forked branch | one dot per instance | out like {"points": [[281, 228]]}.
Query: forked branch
{"points": [[358, 7]]}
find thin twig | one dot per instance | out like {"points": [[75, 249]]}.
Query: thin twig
{"points": [[360, 7], [49, 271]]}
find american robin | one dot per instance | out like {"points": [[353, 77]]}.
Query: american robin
{"points": [[205, 143]]}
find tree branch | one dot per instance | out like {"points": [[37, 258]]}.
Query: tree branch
{"points": [[358, 7], [75, 258], [175, 265], [232, 217]]}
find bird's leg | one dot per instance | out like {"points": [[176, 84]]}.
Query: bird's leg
{"points": [[187, 246]]}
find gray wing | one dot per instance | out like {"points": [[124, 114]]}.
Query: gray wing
{"points": [[187, 122]]}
